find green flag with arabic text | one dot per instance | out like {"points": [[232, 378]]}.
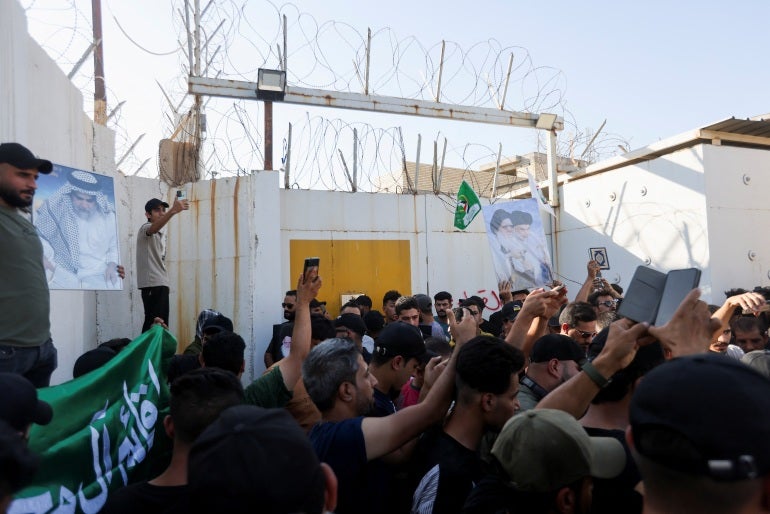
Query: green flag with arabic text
{"points": [[107, 430], [468, 206]]}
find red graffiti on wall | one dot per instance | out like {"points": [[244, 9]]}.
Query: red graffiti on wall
{"points": [[491, 301]]}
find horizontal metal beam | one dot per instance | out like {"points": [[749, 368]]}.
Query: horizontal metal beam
{"points": [[372, 103]]}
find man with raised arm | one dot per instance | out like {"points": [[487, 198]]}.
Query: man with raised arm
{"points": [[151, 275], [688, 332], [532, 320], [339, 382], [275, 387]]}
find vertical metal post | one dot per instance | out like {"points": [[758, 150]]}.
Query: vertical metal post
{"points": [[345, 169], [417, 163], [440, 71], [197, 38], [507, 80], [434, 168], [368, 59], [189, 36], [285, 50], [553, 195], [287, 167], [355, 159], [441, 169], [268, 135], [403, 156], [497, 170], [100, 93], [198, 100], [588, 146]]}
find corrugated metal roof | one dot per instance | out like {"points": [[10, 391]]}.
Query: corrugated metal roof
{"points": [[759, 128], [752, 133], [512, 176]]}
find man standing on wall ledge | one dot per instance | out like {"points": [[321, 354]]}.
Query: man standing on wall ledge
{"points": [[25, 328], [151, 275]]}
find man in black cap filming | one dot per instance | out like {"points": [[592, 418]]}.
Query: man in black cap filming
{"points": [[151, 275]]}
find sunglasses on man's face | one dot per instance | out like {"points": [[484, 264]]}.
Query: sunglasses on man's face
{"points": [[608, 303], [585, 334]]}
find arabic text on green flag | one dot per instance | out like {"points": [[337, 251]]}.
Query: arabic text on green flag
{"points": [[107, 430], [468, 206]]}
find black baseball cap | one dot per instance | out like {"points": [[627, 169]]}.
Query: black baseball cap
{"points": [[19, 404], [234, 463], [21, 157], [556, 346], [510, 310], [352, 322], [92, 359], [424, 303], [314, 304], [702, 399], [154, 204], [400, 338]]}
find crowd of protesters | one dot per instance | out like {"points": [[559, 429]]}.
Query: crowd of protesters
{"points": [[550, 405]]}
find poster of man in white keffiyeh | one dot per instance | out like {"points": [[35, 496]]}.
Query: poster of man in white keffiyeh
{"points": [[75, 217], [517, 240]]}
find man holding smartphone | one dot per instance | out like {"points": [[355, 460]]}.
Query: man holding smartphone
{"points": [[151, 274]]}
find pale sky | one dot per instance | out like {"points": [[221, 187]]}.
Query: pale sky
{"points": [[652, 69]]}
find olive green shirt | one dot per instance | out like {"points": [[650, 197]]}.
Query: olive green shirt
{"points": [[268, 391], [24, 297]]}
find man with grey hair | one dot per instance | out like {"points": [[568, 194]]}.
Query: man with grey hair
{"points": [[340, 384], [78, 222]]}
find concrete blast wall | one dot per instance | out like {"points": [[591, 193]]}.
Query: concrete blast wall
{"points": [[697, 206], [43, 110], [231, 251], [702, 206]]}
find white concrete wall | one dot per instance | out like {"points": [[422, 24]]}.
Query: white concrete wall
{"points": [[443, 258], [737, 185], [658, 217], [231, 250], [44, 111]]}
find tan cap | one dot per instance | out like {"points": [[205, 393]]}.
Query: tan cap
{"points": [[543, 450]]}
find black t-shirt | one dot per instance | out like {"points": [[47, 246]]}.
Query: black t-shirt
{"points": [[276, 343], [617, 494], [383, 405], [492, 495], [342, 446], [445, 472], [143, 497]]}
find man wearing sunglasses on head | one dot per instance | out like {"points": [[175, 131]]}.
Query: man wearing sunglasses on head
{"points": [[578, 321]]}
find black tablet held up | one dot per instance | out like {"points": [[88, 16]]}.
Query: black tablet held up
{"points": [[679, 283], [654, 296]]}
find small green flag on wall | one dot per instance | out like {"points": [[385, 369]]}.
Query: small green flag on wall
{"points": [[468, 206]]}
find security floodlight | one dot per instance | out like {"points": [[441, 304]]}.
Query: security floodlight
{"points": [[271, 85], [546, 121]]}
